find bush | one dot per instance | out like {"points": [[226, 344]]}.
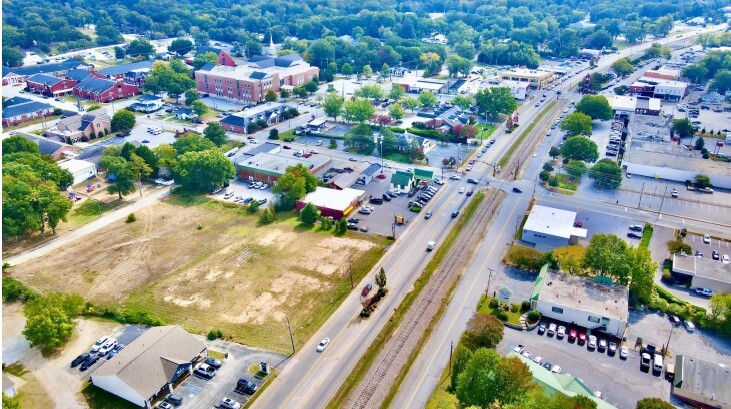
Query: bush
{"points": [[214, 334], [525, 306], [534, 316], [525, 257], [514, 308], [493, 303], [502, 315], [429, 133], [131, 218], [126, 316], [273, 133], [15, 290]]}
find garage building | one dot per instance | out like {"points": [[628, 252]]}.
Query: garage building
{"points": [[593, 303], [150, 365], [549, 228], [81, 170], [701, 383], [704, 272], [333, 203]]}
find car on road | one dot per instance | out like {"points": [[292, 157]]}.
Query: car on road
{"points": [[561, 332], [635, 227], [623, 352], [516, 190], [367, 289], [454, 177], [323, 344], [632, 235], [472, 180], [707, 239], [461, 190], [145, 141], [428, 214], [353, 159], [592, 342], [455, 214], [469, 193], [704, 291], [468, 168], [551, 329], [439, 181], [79, 359], [213, 362]]}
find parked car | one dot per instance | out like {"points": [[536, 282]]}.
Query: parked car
{"points": [[689, 326], [516, 190], [602, 345], [205, 371], [228, 403], [636, 227], [612, 348], [556, 369], [518, 349], [572, 335], [715, 255], [541, 328], [623, 352], [704, 291], [674, 320], [547, 365], [367, 289], [213, 362], [174, 399], [354, 220], [551, 329], [246, 386], [707, 239], [527, 354], [538, 360], [632, 235], [79, 359], [472, 180], [592, 342], [323, 344], [98, 344], [91, 360], [561, 332]]}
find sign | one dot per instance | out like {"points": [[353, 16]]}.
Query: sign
{"points": [[264, 367], [504, 294]]}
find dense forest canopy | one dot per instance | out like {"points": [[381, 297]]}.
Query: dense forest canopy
{"points": [[533, 26]]}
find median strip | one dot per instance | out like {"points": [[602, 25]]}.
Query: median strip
{"points": [[506, 158]]}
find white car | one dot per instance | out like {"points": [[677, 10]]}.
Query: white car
{"points": [[556, 369], [454, 177], [229, 403], [561, 332], [707, 239], [518, 349], [439, 182], [623, 352], [99, 343], [527, 354], [263, 187], [704, 291], [323, 344], [725, 259], [538, 360], [461, 190], [551, 329], [228, 195], [592, 342]]}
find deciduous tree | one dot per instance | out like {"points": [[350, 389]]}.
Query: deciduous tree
{"points": [[396, 112], [397, 92], [495, 101], [484, 331], [427, 98], [215, 133], [333, 104], [653, 403], [606, 255], [570, 259], [120, 174], [576, 168], [580, 148], [596, 106], [309, 214], [359, 110], [489, 379], [576, 123], [606, 173], [202, 171], [123, 121], [191, 96]]}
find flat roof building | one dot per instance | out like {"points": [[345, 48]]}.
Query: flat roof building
{"points": [[416, 85], [702, 383], [628, 104], [81, 170], [665, 73], [268, 167], [705, 272], [673, 162], [549, 228], [333, 202], [538, 79], [519, 89], [593, 303], [659, 88]]}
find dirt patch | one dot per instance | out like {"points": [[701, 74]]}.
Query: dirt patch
{"points": [[207, 266]]}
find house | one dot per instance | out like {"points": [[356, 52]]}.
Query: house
{"points": [[333, 203], [52, 147], [344, 180], [702, 384], [251, 80], [17, 110], [592, 303], [406, 140], [549, 228], [537, 79], [185, 114], [271, 113], [11, 383], [703, 272], [104, 90], [94, 152], [147, 103], [150, 365], [82, 126], [223, 57], [402, 181], [81, 170], [49, 85], [369, 173], [18, 75]]}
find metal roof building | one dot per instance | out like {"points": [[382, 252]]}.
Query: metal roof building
{"points": [[702, 383]]}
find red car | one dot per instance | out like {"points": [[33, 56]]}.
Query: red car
{"points": [[578, 224], [381, 176], [366, 290], [572, 335], [472, 162], [582, 338]]}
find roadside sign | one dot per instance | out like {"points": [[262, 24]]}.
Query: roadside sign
{"points": [[504, 294], [264, 367]]}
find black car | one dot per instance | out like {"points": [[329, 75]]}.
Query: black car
{"points": [[262, 201], [386, 197], [246, 386], [473, 181], [469, 193], [354, 220], [174, 399], [376, 200], [213, 362], [635, 227], [715, 255], [79, 359], [633, 235], [516, 190], [699, 253], [91, 360], [455, 214], [248, 199]]}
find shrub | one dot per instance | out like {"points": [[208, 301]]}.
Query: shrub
{"points": [[214, 334], [415, 209], [525, 306], [273, 133], [534, 316], [525, 257], [131, 218], [15, 290], [502, 315], [493, 303], [100, 134], [429, 133]]}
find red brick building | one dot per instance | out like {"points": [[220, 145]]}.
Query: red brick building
{"points": [[223, 57], [50, 85], [104, 90]]}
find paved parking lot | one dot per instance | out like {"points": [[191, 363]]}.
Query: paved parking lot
{"points": [[696, 242], [124, 336], [241, 188]]}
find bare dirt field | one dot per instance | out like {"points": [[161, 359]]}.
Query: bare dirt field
{"points": [[209, 265]]}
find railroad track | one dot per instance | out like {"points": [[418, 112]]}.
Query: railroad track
{"points": [[456, 256], [522, 155]]}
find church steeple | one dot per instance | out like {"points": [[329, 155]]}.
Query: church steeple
{"points": [[272, 51]]}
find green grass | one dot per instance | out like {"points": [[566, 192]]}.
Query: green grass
{"points": [[89, 210], [563, 182], [273, 373], [513, 317], [486, 131], [398, 157], [98, 398], [516, 144], [230, 145], [216, 354], [646, 235], [519, 233], [49, 120], [365, 361]]}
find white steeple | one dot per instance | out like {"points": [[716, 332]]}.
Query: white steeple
{"points": [[272, 51]]}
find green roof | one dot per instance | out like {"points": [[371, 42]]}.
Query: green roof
{"points": [[401, 179], [539, 283], [569, 385], [423, 174]]}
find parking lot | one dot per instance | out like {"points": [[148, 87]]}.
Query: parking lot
{"points": [[124, 336], [242, 192]]}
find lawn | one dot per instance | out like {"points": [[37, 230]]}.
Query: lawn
{"points": [[486, 130], [519, 233], [89, 210], [398, 157], [205, 264], [31, 395], [49, 121], [98, 398], [484, 308], [567, 182]]}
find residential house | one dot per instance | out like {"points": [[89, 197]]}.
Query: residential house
{"points": [[18, 75], [240, 122], [82, 127], [104, 90], [185, 114], [405, 141], [52, 147], [402, 181], [49, 85], [17, 110], [147, 103], [444, 119]]}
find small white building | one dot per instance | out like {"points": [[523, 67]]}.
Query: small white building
{"points": [[593, 303], [519, 89], [81, 170], [549, 228], [705, 272]]}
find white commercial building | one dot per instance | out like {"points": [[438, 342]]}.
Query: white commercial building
{"points": [[674, 162], [705, 272], [519, 89], [593, 303], [549, 228], [81, 170]]}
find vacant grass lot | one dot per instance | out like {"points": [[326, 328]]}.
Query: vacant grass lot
{"points": [[205, 264]]}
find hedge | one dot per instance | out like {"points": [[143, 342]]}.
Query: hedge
{"points": [[428, 133]]}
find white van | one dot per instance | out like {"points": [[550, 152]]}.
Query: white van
{"points": [[152, 129], [430, 246], [657, 363], [157, 131]]}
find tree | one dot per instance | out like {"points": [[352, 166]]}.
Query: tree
{"points": [[427, 98], [203, 171], [123, 121], [106, 32], [341, 227], [309, 214], [468, 132], [623, 67], [266, 216], [367, 71], [191, 142], [294, 184], [12, 57], [381, 281], [695, 72], [495, 101], [606, 256], [140, 47], [489, 379], [703, 181], [191, 96], [720, 306], [457, 65], [576, 168], [596, 106], [360, 137], [300, 92], [369, 91], [570, 259], [139, 169], [576, 123], [333, 104], [554, 152], [678, 247], [606, 173], [642, 270], [462, 101], [580, 148], [215, 133], [396, 92], [347, 69], [396, 112], [462, 356], [700, 144], [431, 62], [204, 59], [653, 403], [484, 331], [50, 206], [173, 78], [657, 50], [311, 87], [683, 127], [359, 110], [270, 96], [49, 319], [10, 403], [544, 175], [199, 108], [18, 143], [120, 174], [410, 103], [274, 133], [721, 82], [180, 46]]}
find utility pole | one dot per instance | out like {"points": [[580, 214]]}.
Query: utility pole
{"points": [[667, 346], [291, 338], [350, 268], [451, 349], [641, 193], [489, 278], [663, 200]]}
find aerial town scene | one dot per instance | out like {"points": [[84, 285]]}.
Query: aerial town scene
{"points": [[401, 204]]}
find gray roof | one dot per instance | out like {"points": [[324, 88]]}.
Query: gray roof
{"points": [[258, 75], [29, 70], [150, 361], [125, 68], [207, 67], [47, 146], [48, 80], [18, 106], [96, 85], [204, 49], [701, 378], [148, 97], [266, 147], [94, 153], [78, 74], [370, 170], [282, 61], [81, 121]]}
